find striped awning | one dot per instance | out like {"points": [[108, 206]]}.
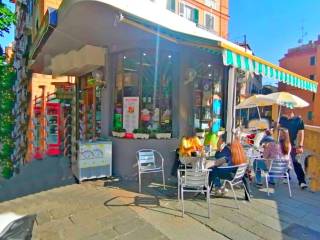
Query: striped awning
{"points": [[248, 62]]}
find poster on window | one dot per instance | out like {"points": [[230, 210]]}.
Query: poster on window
{"points": [[130, 113]]}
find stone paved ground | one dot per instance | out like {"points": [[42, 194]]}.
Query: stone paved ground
{"points": [[114, 210]]}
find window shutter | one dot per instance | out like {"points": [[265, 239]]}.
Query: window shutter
{"points": [[171, 5], [181, 9], [196, 16]]}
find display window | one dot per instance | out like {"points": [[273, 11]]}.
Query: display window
{"points": [[89, 103], [143, 90], [207, 95]]}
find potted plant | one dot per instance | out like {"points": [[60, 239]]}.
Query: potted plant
{"points": [[163, 133], [118, 132], [199, 132], [141, 133]]}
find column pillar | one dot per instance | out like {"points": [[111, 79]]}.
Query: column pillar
{"points": [[231, 111]]}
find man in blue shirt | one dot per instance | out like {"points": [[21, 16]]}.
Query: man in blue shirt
{"points": [[295, 126]]}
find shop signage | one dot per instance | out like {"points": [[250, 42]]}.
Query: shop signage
{"points": [[130, 113]]}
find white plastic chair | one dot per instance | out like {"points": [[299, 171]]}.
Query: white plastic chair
{"points": [[278, 169], [193, 181], [237, 180], [147, 163]]}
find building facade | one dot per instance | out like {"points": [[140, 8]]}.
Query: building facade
{"points": [[305, 60], [140, 71], [32, 19], [211, 15]]}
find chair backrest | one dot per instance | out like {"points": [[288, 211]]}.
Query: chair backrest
{"points": [[195, 179], [278, 167], [241, 170], [146, 158], [20, 228]]}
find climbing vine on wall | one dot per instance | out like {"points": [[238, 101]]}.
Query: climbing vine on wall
{"points": [[7, 99]]}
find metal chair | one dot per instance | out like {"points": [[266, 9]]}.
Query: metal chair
{"points": [[237, 180], [193, 181], [278, 169], [13, 226], [146, 159]]}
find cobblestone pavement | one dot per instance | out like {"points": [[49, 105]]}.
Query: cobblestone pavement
{"points": [[108, 210]]}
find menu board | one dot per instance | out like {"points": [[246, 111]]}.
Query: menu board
{"points": [[130, 113]]}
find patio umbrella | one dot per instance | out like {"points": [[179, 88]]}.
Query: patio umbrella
{"points": [[286, 99], [257, 101]]}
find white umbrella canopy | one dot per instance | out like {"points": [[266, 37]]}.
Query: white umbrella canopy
{"points": [[287, 100], [257, 100]]}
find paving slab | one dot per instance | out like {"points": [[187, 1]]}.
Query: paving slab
{"points": [[105, 210]]}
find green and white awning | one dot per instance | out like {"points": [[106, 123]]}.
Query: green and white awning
{"points": [[248, 62]]}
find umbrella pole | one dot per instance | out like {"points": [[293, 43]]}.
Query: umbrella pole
{"points": [[278, 122], [259, 113]]}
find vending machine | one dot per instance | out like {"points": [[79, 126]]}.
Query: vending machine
{"points": [[53, 136]]}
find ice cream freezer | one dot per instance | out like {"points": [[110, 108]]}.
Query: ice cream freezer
{"points": [[94, 160]]}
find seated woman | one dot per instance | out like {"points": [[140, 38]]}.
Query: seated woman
{"points": [[272, 151], [190, 146], [227, 155]]}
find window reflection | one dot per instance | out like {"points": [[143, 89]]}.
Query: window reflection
{"points": [[138, 75]]}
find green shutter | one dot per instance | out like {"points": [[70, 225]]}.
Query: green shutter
{"points": [[196, 16], [171, 5]]}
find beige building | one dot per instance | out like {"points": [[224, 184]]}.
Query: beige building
{"points": [[212, 15]]}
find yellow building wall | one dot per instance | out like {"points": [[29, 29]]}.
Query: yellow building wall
{"points": [[39, 10], [220, 13], [311, 143], [312, 139], [37, 81]]}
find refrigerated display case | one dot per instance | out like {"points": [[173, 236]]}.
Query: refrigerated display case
{"points": [[53, 136], [94, 160]]}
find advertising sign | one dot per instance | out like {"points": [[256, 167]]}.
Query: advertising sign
{"points": [[130, 113], [94, 155]]}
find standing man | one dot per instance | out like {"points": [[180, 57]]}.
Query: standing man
{"points": [[295, 126]]}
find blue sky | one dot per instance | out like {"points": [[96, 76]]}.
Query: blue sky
{"points": [[8, 38], [273, 26]]}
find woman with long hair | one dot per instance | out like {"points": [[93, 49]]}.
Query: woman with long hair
{"points": [[237, 152], [284, 141], [273, 150], [230, 155]]}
